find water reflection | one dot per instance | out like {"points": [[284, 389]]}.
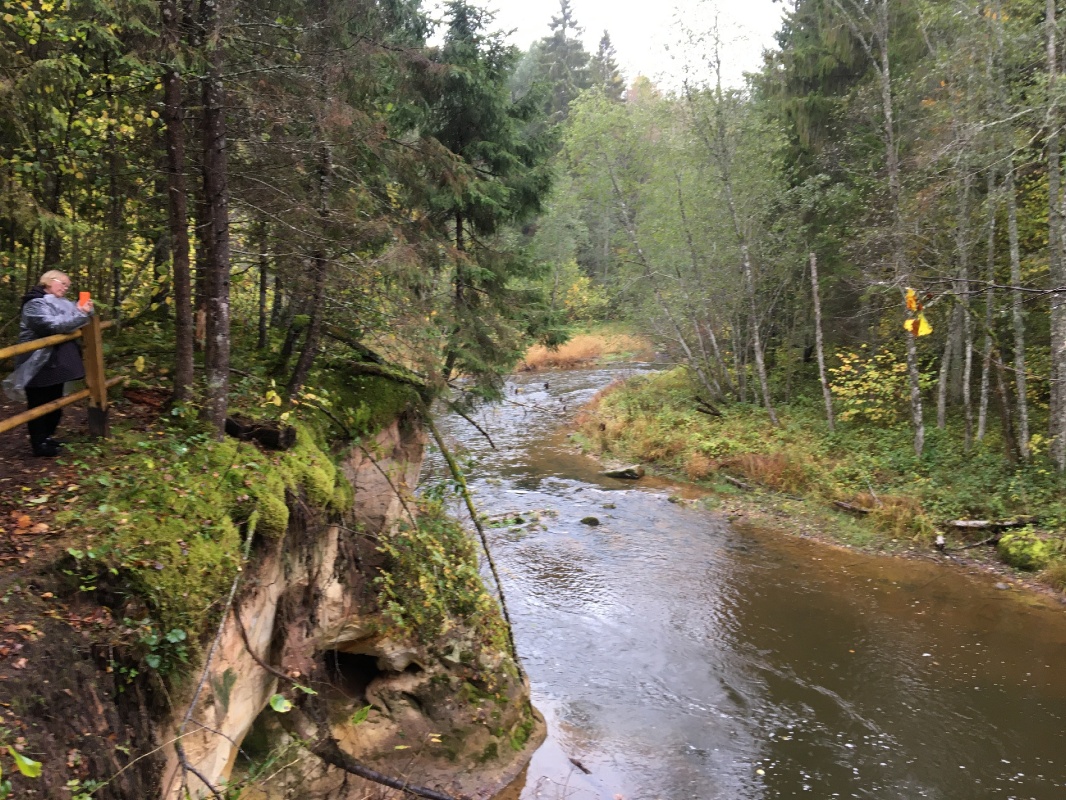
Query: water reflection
{"points": [[677, 657]]}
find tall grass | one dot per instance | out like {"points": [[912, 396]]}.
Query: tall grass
{"points": [[585, 349]]}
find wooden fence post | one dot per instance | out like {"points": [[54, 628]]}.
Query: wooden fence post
{"points": [[95, 380]]}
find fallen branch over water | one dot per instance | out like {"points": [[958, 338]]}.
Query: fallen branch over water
{"points": [[464, 490]]}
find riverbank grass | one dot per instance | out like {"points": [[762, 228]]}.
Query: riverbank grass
{"points": [[893, 495], [587, 348]]}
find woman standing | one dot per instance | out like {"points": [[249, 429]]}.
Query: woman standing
{"points": [[46, 312]]}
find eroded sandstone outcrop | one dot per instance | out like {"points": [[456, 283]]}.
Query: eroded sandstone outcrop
{"points": [[451, 713]]}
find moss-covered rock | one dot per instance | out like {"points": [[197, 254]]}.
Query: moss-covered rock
{"points": [[307, 467], [1025, 549]]}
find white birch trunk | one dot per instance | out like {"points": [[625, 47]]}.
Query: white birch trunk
{"points": [[1017, 317], [818, 344], [1057, 258]]}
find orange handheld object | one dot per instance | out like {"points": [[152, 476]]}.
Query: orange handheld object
{"points": [[83, 298]]}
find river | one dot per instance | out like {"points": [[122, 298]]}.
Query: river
{"points": [[677, 656]]}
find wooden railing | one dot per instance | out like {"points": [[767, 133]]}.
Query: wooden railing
{"points": [[96, 383]]}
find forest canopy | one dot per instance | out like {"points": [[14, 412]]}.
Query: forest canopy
{"points": [[877, 214]]}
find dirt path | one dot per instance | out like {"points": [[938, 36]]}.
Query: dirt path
{"points": [[26, 526]]}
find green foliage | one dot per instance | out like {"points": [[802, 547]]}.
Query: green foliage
{"points": [[280, 703], [430, 583], [1025, 549], [500, 177], [26, 766], [872, 388]]}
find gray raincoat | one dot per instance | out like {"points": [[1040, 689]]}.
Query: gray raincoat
{"points": [[46, 315]]}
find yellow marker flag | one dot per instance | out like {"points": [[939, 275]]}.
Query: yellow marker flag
{"points": [[912, 300], [918, 326]]}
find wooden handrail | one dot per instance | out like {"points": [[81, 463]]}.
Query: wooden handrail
{"points": [[48, 408], [47, 341], [96, 383]]}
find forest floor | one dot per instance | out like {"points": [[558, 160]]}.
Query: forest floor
{"points": [[42, 622], [32, 491]]}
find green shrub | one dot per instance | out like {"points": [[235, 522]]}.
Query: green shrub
{"points": [[1024, 549], [431, 581]]}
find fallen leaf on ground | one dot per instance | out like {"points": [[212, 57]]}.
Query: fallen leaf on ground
{"points": [[19, 663], [40, 527], [23, 521]]}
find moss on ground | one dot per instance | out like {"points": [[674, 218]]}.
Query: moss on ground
{"points": [[1026, 549], [165, 519], [365, 403]]}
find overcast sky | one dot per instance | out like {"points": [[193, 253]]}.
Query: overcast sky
{"points": [[649, 36]]}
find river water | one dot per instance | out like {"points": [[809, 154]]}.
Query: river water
{"points": [[676, 656]]}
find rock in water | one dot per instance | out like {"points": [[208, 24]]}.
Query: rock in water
{"points": [[590, 521], [630, 473]]}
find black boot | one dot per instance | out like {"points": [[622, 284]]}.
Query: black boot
{"points": [[45, 449]]}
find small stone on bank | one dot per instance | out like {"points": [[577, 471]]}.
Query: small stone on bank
{"points": [[630, 473]]}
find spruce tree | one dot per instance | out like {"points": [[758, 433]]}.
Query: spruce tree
{"points": [[499, 176], [565, 62], [604, 70]]}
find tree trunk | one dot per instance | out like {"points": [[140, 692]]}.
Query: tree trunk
{"points": [[898, 243], [321, 278], [760, 364], [818, 342], [945, 369], [990, 279], [876, 45], [292, 334], [264, 276], [725, 169], [177, 207], [1009, 441], [314, 328], [277, 305], [1057, 258], [964, 343], [1017, 317], [216, 200]]}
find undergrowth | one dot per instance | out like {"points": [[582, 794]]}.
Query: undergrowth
{"points": [[431, 584], [873, 466]]}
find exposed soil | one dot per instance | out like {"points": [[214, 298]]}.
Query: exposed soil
{"points": [[64, 702]]}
